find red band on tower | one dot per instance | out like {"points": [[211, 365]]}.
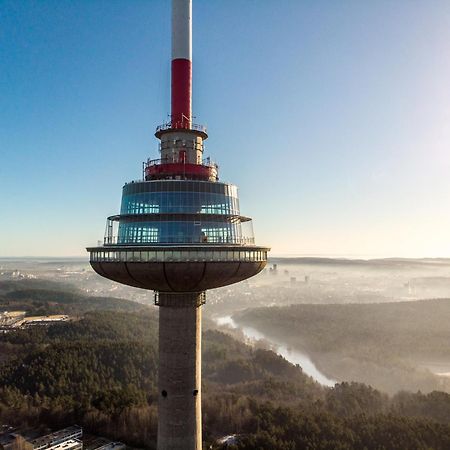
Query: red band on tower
{"points": [[181, 63], [181, 93]]}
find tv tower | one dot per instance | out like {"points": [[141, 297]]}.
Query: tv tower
{"points": [[179, 232]]}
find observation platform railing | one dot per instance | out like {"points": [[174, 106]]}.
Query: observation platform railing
{"points": [[180, 254], [181, 126], [206, 162], [169, 240]]}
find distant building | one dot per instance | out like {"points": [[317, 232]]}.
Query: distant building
{"points": [[69, 438], [18, 319], [104, 444], [71, 444], [8, 319], [44, 320], [58, 437]]}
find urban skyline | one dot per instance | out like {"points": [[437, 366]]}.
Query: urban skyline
{"points": [[339, 118]]}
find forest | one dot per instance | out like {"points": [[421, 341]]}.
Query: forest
{"points": [[100, 371], [390, 346]]}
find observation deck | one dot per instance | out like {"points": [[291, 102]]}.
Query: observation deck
{"points": [[160, 169], [184, 125], [178, 268], [178, 235]]}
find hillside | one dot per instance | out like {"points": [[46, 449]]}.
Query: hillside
{"points": [[43, 297], [391, 346]]}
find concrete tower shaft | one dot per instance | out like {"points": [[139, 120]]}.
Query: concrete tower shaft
{"points": [[181, 64], [179, 372]]}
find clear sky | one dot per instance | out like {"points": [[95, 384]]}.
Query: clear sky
{"points": [[333, 118]]}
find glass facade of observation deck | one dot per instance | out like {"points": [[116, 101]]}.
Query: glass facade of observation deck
{"points": [[177, 196], [180, 212]]}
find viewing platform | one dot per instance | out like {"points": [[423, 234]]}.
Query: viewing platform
{"points": [[160, 169], [184, 125], [178, 268]]}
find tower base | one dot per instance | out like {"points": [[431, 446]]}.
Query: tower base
{"points": [[179, 375]]}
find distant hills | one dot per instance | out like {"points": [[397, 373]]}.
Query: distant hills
{"points": [[387, 262], [44, 297]]}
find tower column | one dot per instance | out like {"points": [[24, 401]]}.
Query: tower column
{"points": [[179, 375]]}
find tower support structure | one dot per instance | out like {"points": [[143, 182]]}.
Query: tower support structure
{"points": [[179, 378]]}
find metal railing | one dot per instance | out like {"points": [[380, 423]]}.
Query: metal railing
{"points": [[176, 160], [181, 126], [162, 254], [152, 240]]}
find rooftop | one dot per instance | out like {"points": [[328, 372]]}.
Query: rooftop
{"points": [[67, 445], [53, 438]]}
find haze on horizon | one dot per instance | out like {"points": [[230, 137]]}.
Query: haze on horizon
{"points": [[333, 119]]}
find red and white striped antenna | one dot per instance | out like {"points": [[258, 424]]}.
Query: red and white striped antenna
{"points": [[181, 94]]}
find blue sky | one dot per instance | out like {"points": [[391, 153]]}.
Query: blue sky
{"points": [[333, 118]]}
